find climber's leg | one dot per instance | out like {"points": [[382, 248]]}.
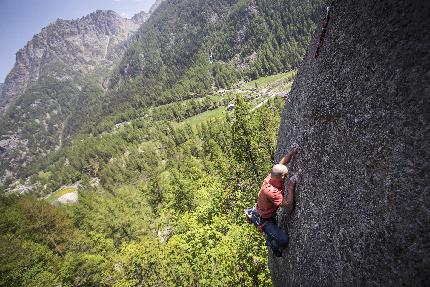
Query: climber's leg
{"points": [[272, 230], [272, 244]]}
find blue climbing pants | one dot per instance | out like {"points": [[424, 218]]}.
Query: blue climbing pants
{"points": [[276, 239]]}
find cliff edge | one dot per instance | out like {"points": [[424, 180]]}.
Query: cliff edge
{"points": [[360, 111]]}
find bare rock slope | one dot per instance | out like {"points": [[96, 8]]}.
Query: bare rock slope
{"points": [[361, 113]]}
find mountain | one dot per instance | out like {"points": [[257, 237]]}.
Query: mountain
{"points": [[359, 109], [83, 44], [184, 49], [57, 74], [182, 53], [140, 17]]}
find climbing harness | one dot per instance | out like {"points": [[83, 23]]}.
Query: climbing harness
{"points": [[253, 217], [324, 29]]}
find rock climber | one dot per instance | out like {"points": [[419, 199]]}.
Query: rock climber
{"points": [[270, 198]]}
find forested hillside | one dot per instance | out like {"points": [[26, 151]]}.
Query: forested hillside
{"points": [[160, 201], [184, 49], [181, 53]]}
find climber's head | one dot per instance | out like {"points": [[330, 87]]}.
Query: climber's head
{"points": [[279, 171]]}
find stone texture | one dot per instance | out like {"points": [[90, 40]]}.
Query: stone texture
{"points": [[361, 113]]}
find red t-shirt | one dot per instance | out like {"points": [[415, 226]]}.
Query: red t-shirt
{"points": [[270, 197]]}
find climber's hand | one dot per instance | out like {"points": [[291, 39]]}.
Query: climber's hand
{"points": [[295, 148], [290, 155]]}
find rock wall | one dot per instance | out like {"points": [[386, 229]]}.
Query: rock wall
{"points": [[361, 113]]}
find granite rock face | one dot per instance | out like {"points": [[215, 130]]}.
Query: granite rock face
{"points": [[360, 111], [99, 38]]}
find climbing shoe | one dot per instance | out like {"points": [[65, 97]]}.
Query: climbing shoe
{"points": [[277, 252]]}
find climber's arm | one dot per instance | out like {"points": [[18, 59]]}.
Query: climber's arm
{"points": [[291, 153], [288, 201]]}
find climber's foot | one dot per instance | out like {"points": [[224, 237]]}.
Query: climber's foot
{"points": [[277, 252]]}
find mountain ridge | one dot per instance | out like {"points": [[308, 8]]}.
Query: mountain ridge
{"points": [[63, 66], [84, 43]]}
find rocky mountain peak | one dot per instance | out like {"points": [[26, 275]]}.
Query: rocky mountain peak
{"points": [[60, 68], [140, 17], [97, 39]]}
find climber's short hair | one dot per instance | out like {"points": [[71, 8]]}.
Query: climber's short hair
{"points": [[279, 170]]}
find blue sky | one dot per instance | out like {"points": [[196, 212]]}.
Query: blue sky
{"points": [[21, 19]]}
